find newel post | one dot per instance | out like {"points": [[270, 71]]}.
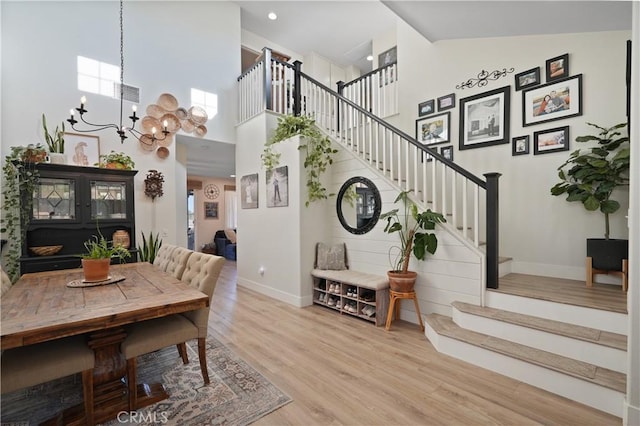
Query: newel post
{"points": [[297, 89], [340, 85], [268, 78], [492, 229]]}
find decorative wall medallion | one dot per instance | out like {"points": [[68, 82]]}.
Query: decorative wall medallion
{"points": [[153, 184], [211, 191], [484, 77]]}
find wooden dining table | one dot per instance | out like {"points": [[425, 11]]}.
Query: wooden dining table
{"points": [[40, 307]]}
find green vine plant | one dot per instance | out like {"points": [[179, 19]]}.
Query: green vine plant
{"points": [[317, 147], [19, 177]]}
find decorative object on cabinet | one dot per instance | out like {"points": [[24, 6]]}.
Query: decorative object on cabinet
{"points": [[20, 177], [484, 119], [86, 149], [317, 147], [210, 210], [211, 191], [121, 238], [483, 78], [426, 107], [520, 145], [116, 160], [45, 250], [358, 214], [591, 176], [249, 191], [153, 184], [67, 203], [557, 68], [551, 140], [527, 78], [446, 102], [55, 142], [277, 181], [552, 101], [411, 241], [149, 249]]}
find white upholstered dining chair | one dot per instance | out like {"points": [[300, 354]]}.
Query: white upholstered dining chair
{"points": [[202, 272], [163, 256], [178, 261]]}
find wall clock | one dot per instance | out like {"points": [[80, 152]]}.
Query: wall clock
{"points": [[211, 191]]}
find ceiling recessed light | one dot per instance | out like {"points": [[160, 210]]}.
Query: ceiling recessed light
{"points": [[369, 58], [232, 176], [272, 16]]}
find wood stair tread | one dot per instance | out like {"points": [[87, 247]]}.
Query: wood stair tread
{"points": [[600, 337], [582, 370]]}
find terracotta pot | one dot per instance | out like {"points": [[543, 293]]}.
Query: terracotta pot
{"points": [[95, 269], [401, 282]]}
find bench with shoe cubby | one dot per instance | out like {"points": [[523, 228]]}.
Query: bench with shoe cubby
{"points": [[354, 293]]}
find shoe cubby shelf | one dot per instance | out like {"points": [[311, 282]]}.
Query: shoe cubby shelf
{"points": [[348, 299]]}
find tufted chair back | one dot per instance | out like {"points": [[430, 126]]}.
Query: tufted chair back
{"points": [[202, 272], [163, 256], [5, 281], [178, 261]]}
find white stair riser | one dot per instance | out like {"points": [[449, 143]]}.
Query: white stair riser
{"points": [[587, 317], [582, 391], [603, 356], [504, 268]]}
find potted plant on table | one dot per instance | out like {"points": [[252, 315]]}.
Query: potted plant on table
{"points": [[409, 228], [55, 142], [592, 176], [116, 160], [96, 262]]}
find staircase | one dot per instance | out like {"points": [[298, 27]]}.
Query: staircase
{"points": [[579, 353]]}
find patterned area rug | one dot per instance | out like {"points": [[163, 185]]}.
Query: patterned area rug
{"points": [[237, 394]]}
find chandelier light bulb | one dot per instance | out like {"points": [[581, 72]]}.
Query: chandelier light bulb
{"points": [[83, 100]]}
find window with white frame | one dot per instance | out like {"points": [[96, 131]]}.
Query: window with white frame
{"points": [[97, 77], [206, 100]]}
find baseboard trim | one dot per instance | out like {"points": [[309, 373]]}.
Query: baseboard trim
{"points": [[560, 271], [298, 301]]}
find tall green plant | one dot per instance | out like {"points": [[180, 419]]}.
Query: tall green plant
{"points": [[594, 173], [317, 146], [149, 249], [55, 140]]}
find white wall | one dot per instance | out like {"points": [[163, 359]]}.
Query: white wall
{"points": [[530, 218], [169, 47]]}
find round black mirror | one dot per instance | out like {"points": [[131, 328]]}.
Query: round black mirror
{"points": [[358, 205]]}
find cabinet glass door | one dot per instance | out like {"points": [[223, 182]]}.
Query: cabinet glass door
{"points": [[108, 200], [54, 199]]}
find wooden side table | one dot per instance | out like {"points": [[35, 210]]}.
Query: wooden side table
{"points": [[395, 308]]}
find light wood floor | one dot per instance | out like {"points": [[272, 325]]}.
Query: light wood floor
{"points": [[340, 370]]}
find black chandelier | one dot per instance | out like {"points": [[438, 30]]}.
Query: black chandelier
{"points": [[144, 138]]}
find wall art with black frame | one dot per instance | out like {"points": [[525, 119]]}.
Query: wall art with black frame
{"points": [[552, 101], [527, 78], [484, 119], [551, 140], [520, 145], [557, 68]]}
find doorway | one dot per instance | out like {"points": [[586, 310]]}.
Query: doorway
{"points": [[191, 223]]}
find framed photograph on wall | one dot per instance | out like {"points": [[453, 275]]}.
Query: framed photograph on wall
{"points": [[551, 140], [278, 187], [520, 145], [528, 78], [484, 119], [557, 68], [249, 191], [82, 150], [552, 101], [426, 107], [433, 129], [447, 152], [388, 57], [446, 102], [210, 210]]}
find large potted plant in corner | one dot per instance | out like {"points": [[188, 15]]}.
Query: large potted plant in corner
{"points": [[409, 228], [96, 262], [590, 176]]}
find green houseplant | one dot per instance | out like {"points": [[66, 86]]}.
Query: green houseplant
{"points": [[55, 140], [316, 145], [96, 261], [409, 227], [590, 176], [149, 249], [116, 160]]}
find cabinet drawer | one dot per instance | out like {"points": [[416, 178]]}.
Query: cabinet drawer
{"points": [[40, 265]]}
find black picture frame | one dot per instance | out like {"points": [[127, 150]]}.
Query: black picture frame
{"points": [[447, 152], [249, 191], [520, 145], [551, 140], [387, 57], [210, 210], [446, 102], [628, 82], [484, 119], [426, 108], [536, 101], [434, 129], [557, 68], [527, 78]]}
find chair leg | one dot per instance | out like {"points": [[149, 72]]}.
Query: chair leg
{"points": [[132, 383], [182, 350], [202, 354], [87, 390]]}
